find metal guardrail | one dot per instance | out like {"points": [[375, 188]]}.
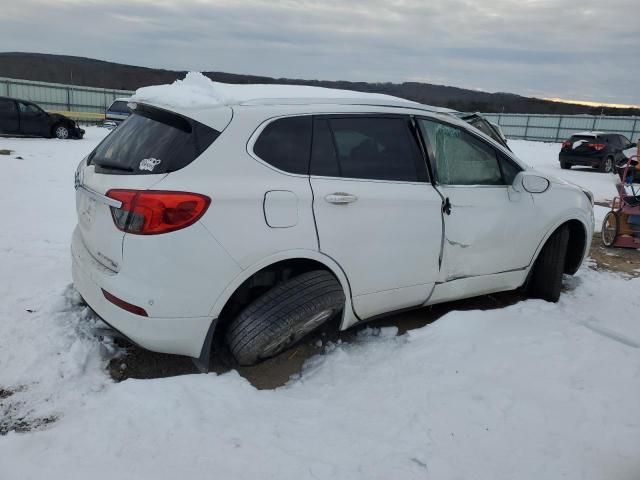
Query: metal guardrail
{"points": [[555, 128], [69, 100], [88, 104]]}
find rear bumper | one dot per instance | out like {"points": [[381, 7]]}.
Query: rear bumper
{"points": [[177, 335], [581, 159]]}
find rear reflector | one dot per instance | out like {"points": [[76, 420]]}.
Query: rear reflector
{"points": [[597, 146], [151, 212], [124, 305]]}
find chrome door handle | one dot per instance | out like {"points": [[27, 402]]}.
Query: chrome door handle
{"points": [[340, 198]]}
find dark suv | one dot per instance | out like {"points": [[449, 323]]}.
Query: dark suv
{"points": [[595, 149], [20, 117]]}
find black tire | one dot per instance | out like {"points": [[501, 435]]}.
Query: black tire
{"points": [[609, 231], [283, 315], [607, 165], [565, 165], [61, 131], [546, 276]]}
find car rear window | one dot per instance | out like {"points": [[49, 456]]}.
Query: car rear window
{"points": [[119, 107], [152, 141], [588, 138]]}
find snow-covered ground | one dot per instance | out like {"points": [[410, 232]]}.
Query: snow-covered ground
{"points": [[530, 391]]}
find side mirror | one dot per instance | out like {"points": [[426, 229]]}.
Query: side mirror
{"points": [[535, 183]]}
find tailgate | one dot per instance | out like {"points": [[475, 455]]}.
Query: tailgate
{"points": [[99, 234], [146, 147]]}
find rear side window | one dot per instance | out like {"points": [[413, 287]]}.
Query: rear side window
{"points": [[286, 144], [8, 107], [119, 107], [152, 141], [624, 141], [373, 148]]}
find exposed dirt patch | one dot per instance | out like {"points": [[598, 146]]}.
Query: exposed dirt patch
{"points": [[275, 372], [623, 260], [12, 421]]}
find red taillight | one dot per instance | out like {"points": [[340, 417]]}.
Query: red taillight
{"points": [[124, 305], [566, 144], [150, 212], [597, 146]]}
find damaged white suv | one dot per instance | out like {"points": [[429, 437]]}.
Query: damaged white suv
{"points": [[255, 221]]}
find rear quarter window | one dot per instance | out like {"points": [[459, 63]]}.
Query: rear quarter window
{"points": [[285, 144], [152, 141]]}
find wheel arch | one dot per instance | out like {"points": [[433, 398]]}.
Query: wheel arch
{"points": [[577, 248], [298, 261]]}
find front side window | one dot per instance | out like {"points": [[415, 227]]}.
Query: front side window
{"points": [[28, 108], [373, 148], [460, 158], [286, 144]]}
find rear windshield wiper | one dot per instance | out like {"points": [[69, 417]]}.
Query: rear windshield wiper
{"points": [[113, 166]]}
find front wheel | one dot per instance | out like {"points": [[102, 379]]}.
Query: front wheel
{"points": [[61, 132], [565, 165], [546, 276], [609, 229], [284, 315]]}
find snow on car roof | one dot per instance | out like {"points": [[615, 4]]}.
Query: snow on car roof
{"points": [[199, 91]]}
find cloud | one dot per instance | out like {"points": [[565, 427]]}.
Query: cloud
{"points": [[551, 48]]}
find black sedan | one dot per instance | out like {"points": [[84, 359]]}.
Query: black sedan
{"points": [[20, 117]]}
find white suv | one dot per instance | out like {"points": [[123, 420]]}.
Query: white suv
{"points": [[255, 222]]}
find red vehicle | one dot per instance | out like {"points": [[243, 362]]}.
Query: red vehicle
{"points": [[621, 226]]}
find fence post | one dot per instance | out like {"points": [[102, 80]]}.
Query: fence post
{"points": [[68, 99], [558, 129], [8, 89], [633, 130], [593, 125], [526, 128]]}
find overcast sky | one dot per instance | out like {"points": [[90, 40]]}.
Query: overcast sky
{"points": [[573, 49]]}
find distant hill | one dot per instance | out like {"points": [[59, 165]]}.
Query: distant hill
{"points": [[98, 73]]}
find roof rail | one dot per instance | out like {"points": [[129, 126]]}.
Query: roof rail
{"points": [[364, 101]]}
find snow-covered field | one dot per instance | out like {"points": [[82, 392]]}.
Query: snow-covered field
{"points": [[530, 391]]}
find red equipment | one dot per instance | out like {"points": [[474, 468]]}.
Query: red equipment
{"points": [[621, 226]]}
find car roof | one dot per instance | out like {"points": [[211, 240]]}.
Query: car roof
{"points": [[218, 115], [590, 134], [17, 99]]}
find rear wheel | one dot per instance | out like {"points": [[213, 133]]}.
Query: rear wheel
{"points": [[61, 132], [607, 165], [284, 315], [546, 276], [565, 165], [609, 229]]}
